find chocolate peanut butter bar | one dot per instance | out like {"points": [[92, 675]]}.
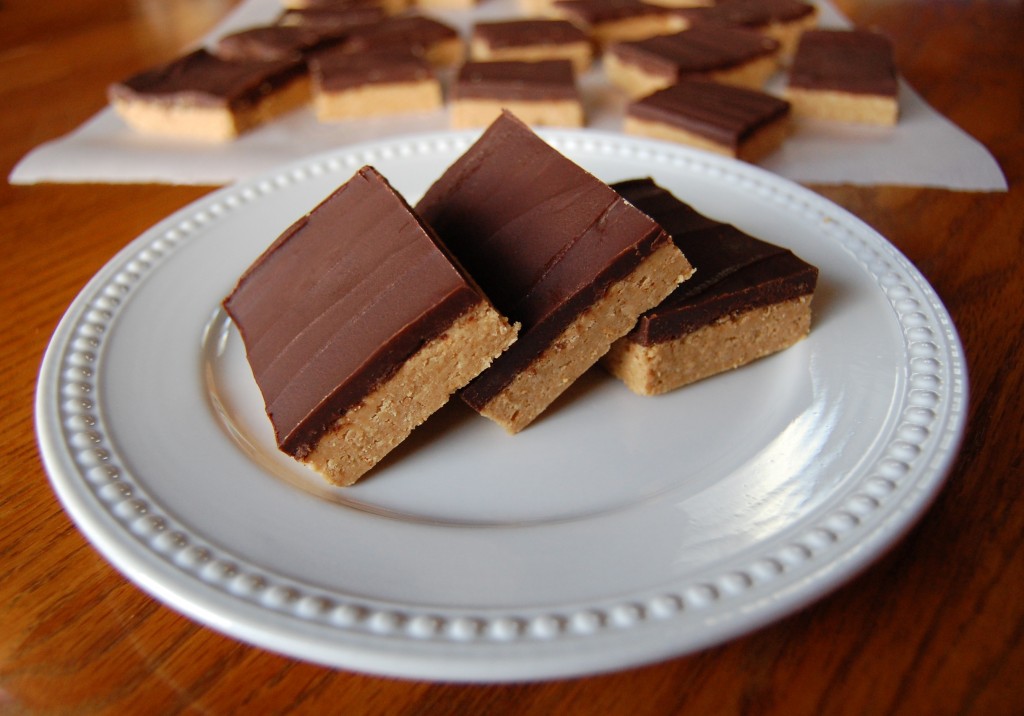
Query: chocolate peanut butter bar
{"points": [[358, 326], [729, 55], [747, 299], [531, 40], [845, 75], [347, 85], [608, 21], [781, 20], [737, 122], [557, 251], [205, 97], [539, 93]]}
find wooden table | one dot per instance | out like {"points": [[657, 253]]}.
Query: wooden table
{"points": [[935, 627]]}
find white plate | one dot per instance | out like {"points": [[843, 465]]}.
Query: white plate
{"points": [[617, 530]]}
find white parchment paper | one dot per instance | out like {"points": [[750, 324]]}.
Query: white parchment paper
{"points": [[924, 149]]}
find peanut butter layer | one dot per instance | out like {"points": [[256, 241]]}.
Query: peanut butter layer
{"points": [[728, 117], [544, 238], [339, 302], [733, 271]]}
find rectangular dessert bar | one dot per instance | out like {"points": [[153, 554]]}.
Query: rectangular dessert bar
{"points": [[845, 75], [349, 85], [531, 40], [608, 21], [723, 54], [539, 93], [737, 122], [557, 251], [204, 97], [358, 326], [747, 299], [781, 20]]}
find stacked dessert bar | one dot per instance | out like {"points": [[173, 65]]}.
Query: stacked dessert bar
{"points": [[515, 273]]}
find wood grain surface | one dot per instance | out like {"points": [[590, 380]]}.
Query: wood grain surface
{"points": [[934, 627]]}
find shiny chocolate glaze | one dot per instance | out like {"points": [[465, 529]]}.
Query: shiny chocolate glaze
{"points": [[855, 61], [338, 69], [723, 113], [545, 80], [543, 238], [338, 302], [733, 271]]}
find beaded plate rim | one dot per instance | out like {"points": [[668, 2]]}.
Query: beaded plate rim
{"points": [[246, 601]]}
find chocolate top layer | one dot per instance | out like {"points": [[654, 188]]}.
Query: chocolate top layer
{"points": [[546, 80], [854, 61], [752, 13], [723, 113], [338, 70], [526, 33], [597, 12], [543, 238], [272, 42], [338, 302], [203, 79], [733, 271], [699, 50], [411, 32]]}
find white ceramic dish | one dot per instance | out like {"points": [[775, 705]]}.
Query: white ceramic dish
{"points": [[616, 531]]}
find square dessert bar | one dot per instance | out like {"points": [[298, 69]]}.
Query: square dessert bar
{"points": [[781, 20], [845, 75], [539, 93], [722, 54], [738, 122], [608, 21], [530, 41], [358, 326], [347, 85], [557, 251], [747, 299], [205, 97]]}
